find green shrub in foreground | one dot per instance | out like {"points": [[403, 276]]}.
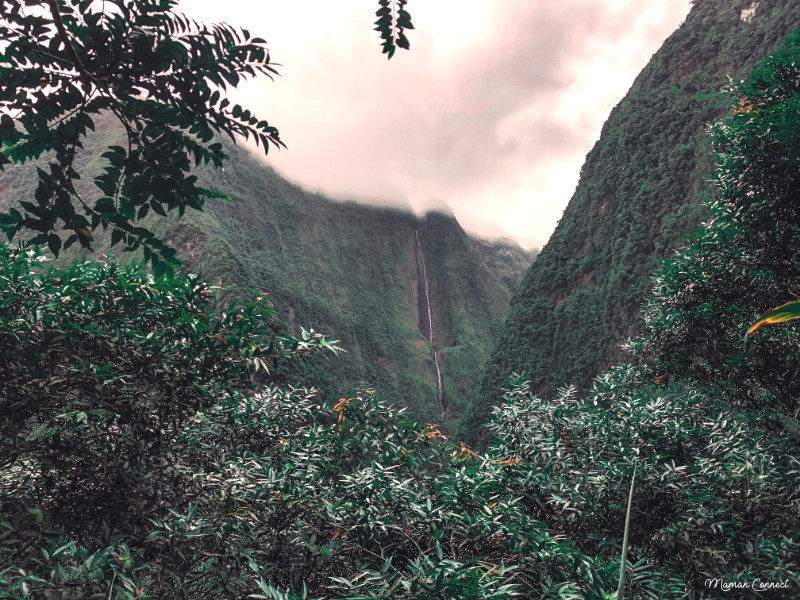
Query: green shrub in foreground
{"points": [[744, 260], [348, 500], [715, 492], [141, 461]]}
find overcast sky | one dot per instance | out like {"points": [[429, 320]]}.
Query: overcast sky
{"points": [[491, 112]]}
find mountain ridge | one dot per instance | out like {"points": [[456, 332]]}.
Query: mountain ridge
{"points": [[345, 269], [366, 292], [638, 194]]}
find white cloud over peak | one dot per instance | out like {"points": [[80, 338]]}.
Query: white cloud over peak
{"points": [[491, 111]]}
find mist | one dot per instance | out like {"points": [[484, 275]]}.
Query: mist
{"points": [[490, 113]]}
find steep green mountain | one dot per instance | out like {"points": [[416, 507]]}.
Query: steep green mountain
{"points": [[506, 258], [638, 193], [138, 459], [350, 271]]}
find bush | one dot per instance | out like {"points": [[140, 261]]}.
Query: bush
{"points": [[715, 494], [744, 260], [101, 364]]}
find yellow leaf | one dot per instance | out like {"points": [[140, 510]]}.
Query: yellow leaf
{"points": [[84, 233], [780, 314]]}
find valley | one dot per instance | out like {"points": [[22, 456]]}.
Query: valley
{"points": [[339, 401], [415, 302]]}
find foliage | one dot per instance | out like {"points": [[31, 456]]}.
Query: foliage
{"points": [[393, 20], [161, 75], [98, 363], [780, 314], [715, 490], [135, 467], [279, 497], [638, 194], [744, 259]]}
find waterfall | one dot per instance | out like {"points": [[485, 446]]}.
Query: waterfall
{"points": [[424, 305]]}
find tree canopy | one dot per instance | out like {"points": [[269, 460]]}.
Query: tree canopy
{"points": [[162, 75], [743, 260]]}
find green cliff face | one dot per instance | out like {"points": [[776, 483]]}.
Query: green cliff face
{"points": [[638, 193], [349, 271]]}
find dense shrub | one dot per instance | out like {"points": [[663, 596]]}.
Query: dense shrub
{"points": [[715, 492], [100, 365], [744, 260]]}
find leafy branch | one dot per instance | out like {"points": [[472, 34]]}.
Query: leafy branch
{"points": [[392, 22]]}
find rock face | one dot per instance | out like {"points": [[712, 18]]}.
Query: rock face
{"points": [[637, 196], [416, 303], [413, 300]]}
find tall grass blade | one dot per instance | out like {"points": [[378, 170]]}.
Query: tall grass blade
{"points": [[621, 588]]}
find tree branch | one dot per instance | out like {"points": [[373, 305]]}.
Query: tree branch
{"points": [[62, 33]]}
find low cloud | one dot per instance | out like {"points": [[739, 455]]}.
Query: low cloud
{"points": [[491, 111]]}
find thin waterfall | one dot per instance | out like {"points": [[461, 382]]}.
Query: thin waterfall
{"points": [[424, 304]]}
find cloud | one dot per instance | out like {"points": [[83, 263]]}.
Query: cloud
{"points": [[492, 110]]}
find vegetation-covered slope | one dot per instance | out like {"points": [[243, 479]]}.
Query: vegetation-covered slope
{"points": [[639, 188], [347, 270], [351, 271]]}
